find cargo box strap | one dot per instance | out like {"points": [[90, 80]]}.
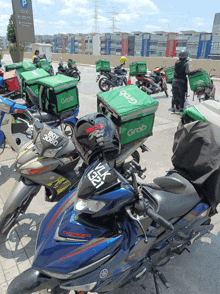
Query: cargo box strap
{"points": [[147, 111]]}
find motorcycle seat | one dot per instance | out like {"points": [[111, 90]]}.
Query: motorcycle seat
{"points": [[174, 196], [45, 117]]}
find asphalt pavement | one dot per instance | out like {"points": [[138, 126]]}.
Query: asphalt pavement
{"points": [[195, 272]]}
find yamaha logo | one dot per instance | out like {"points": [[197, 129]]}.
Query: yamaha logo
{"points": [[137, 130], [63, 101], [103, 274]]}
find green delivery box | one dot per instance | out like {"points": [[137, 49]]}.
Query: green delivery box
{"points": [[103, 65], [44, 64], [200, 79], [58, 95], [17, 66], [138, 67], [169, 72], [28, 66], [131, 110], [30, 78]]}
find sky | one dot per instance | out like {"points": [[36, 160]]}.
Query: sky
{"points": [[77, 16]]}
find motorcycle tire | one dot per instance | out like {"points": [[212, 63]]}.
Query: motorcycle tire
{"points": [[103, 86], [76, 76], [125, 81], [68, 129], [7, 220], [166, 90]]}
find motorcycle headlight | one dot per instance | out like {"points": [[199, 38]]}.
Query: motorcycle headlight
{"points": [[4, 107], [89, 206]]}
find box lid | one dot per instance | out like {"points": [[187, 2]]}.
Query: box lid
{"points": [[14, 65], [28, 65], [9, 75], [34, 75], [102, 60], [59, 82], [129, 102]]}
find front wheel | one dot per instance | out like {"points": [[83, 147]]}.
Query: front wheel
{"points": [[7, 220], [103, 86], [125, 81], [68, 129]]}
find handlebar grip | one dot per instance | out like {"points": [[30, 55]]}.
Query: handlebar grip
{"points": [[159, 219]]}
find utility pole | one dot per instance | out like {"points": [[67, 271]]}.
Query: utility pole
{"points": [[114, 20], [96, 16]]}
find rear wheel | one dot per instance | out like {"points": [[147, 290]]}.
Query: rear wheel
{"points": [[76, 76], [165, 89], [103, 86], [125, 81]]}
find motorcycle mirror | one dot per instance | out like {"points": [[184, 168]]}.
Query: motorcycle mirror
{"points": [[32, 96]]}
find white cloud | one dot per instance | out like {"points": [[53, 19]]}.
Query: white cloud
{"points": [[128, 17], [163, 20], [152, 28], [3, 4], [75, 3], [4, 18], [140, 6], [48, 2], [199, 22]]}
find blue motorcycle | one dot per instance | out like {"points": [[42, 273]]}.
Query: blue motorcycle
{"points": [[15, 121], [111, 230]]}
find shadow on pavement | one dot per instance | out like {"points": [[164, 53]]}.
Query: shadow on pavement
{"points": [[21, 238], [7, 172]]}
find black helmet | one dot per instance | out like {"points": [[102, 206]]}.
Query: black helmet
{"points": [[69, 60], [183, 54], [96, 134]]}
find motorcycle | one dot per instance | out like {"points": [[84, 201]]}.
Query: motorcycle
{"points": [[74, 72], [206, 92], [112, 79], [153, 83], [111, 230], [16, 122], [45, 64]]}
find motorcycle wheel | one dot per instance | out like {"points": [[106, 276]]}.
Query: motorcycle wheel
{"points": [[68, 129], [103, 86], [76, 76], [165, 89], [125, 81], [8, 220]]}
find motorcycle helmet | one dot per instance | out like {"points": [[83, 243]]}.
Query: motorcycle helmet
{"points": [[69, 60], [95, 134], [183, 54], [123, 59]]}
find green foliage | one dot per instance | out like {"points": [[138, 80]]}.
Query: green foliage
{"points": [[11, 30], [14, 47], [1, 56], [11, 37]]}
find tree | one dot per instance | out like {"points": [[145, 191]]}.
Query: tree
{"points": [[11, 37]]}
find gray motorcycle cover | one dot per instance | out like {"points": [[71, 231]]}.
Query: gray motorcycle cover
{"points": [[196, 156]]}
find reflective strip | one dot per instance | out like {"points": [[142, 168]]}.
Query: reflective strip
{"points": [[135, 114], [65, 86]]}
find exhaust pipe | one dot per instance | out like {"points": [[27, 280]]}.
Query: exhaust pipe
{"points": [[110, 83], [145, 89]]}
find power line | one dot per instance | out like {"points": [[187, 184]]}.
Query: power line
{"points": [[114, 20]]}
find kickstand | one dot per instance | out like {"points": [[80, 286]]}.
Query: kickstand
{"points": [[157, 287], [158, 274]]}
